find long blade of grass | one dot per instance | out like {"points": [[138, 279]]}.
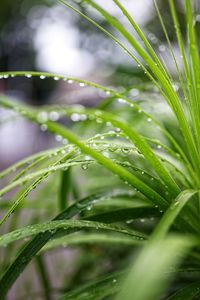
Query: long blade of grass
{"points": [[171, 49], [91, 239], [137, 139], [67, 225], [106, 162], [64, 188], [141, 35], [151, 266], [171, 96], [195, 66], [188, 292], [171, 214], [98, 289], [44, 276], [35, 245], [115, 94]]}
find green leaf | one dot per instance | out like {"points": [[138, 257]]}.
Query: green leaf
{"points": [[102, 239], [64, 189], [148, 276], [67, 225], [171, 214], [96, 290], [189, 292], [35, 245]]}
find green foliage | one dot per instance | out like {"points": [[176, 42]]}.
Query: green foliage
{"points": [[119, 165]]}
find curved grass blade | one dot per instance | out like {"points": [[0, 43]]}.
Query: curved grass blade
{"points": [[115, 94], [65, 178], [172, 213], [124, 214], [98, 289], [142, 36], [195, 66], [189, 292], [44, 277], [67, 225], [36, 244], [151, 266], [112, 37], [106, 162], [170, 94], [91, 239]]}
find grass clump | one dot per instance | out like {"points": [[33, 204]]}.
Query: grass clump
{"points": [[141, 174]]}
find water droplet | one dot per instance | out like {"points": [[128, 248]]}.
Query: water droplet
{"points": [[42, 116], [58, 138], [98, 113], [83, 117], [112, 148], [70, 81], [162, 48], [42, 76], [129, 221], [81, 84], [120, 100], [75, 117], [81, 205], [149, 119], [87, 157], [54, 115], [56, 78], [153, 38], [99, 120], [28, 75], [65, 141], [5, 76], [176, 87], [84, 166], [43, 127], [159, 146], [114, 280], [89, 207], [125, 150], [134, 92]]}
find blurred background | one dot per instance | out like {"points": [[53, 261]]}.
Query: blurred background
{"points": [[44, 35]]}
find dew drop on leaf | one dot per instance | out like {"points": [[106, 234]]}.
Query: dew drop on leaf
{"points": [[70, 81], [54, 115], [84, 166]]}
